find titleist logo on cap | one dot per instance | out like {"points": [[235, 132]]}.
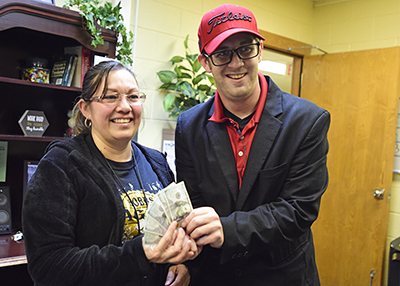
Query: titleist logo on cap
{"points": [[222, 22], [220, 19]]}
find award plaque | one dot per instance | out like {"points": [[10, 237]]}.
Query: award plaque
{"points": [[33, 123]]}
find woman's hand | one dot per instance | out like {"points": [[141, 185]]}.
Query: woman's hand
{"points": [[178, 275], [174, 247], [194, 247]]}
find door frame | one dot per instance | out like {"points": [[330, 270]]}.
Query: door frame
{"points": [[281, 45]]}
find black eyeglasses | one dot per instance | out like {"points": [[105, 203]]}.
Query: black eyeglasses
{"points": [[114, 99], [224, 57]]}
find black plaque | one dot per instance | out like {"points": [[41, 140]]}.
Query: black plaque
{"points": [[33, 123]]}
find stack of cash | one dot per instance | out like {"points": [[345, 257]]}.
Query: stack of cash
{"points": [[170, 204]]}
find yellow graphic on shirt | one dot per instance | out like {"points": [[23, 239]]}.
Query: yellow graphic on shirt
{"points": [[137, 198]]}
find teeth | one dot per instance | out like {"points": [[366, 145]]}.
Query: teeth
{"points": [[237, 76], [121, 120]]}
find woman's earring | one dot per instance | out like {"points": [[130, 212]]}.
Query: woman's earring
{"points": [[88, 123]]}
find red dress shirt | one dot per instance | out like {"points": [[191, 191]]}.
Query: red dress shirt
{"points": [[241, 140]]}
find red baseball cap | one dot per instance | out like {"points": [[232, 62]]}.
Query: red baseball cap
{"points": [[222, 22]]}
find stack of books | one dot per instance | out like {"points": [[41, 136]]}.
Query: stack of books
{"points": [[70, 68]]}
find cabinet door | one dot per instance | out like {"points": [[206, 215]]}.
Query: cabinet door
{"points": [[361, 91]]}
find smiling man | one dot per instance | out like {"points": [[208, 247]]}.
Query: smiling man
{"points": [[253, 159]]}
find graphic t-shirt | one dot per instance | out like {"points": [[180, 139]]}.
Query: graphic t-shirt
{"points": [[135, 199]]}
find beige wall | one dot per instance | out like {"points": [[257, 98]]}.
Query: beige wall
{"points": [[357, 25], [162, 26]]}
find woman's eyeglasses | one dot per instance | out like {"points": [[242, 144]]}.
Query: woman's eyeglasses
{"points": [[115, 99]]}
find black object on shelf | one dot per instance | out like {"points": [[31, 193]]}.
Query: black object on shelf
{"points": [[394, 263]]}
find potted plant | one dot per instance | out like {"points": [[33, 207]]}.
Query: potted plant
{"points": [[187, 85], [98, 13]]}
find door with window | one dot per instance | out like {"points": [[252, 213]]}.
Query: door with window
{"points": [[283, 68]]}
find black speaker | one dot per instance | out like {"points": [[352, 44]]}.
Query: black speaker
{"points": [[5, 210], [394, 263]]}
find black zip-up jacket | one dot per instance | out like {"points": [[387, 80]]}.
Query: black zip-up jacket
{"points": [[73, 220]]}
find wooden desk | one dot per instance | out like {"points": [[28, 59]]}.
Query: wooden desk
{"points": [[11, 252], [13, 263]]}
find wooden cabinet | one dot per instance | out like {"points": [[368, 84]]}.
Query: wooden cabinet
{"points": [[35, 29]]}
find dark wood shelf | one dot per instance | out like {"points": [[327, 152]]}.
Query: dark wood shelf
{"points": [[52, 20], [33, 29], [5, 137], [16, 81]]}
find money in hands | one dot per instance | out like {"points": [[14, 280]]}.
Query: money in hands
{"points": [[170, 204]]}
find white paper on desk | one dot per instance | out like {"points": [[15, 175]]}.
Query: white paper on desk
{"points": [[3, 160]]}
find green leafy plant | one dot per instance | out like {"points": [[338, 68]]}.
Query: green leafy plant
{"points": [[98, 13], [187, 85]]}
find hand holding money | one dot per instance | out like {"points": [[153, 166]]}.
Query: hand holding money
{"points": [[170, 204], [174, 247]]}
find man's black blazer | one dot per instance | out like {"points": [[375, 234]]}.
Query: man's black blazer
{"points": [[267, 222]]}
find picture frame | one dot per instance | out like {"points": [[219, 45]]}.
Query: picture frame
{"points": [[48, 1], [29, 169]]}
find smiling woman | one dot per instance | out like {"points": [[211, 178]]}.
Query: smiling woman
{"points": [[104, 87], [114, 110], [89, 195]]}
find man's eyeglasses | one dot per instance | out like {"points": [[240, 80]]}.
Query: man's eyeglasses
{"points": [[224, 57], [115, 99]]}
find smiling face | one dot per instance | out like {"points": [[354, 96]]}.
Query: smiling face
{"points": [[238, 80], [114, 126]]}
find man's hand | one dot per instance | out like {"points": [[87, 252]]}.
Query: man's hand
{"points": [[178, 275], [204, 226]]}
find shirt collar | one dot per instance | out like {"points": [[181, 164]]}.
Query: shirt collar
{"points": [[219, 116]]}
